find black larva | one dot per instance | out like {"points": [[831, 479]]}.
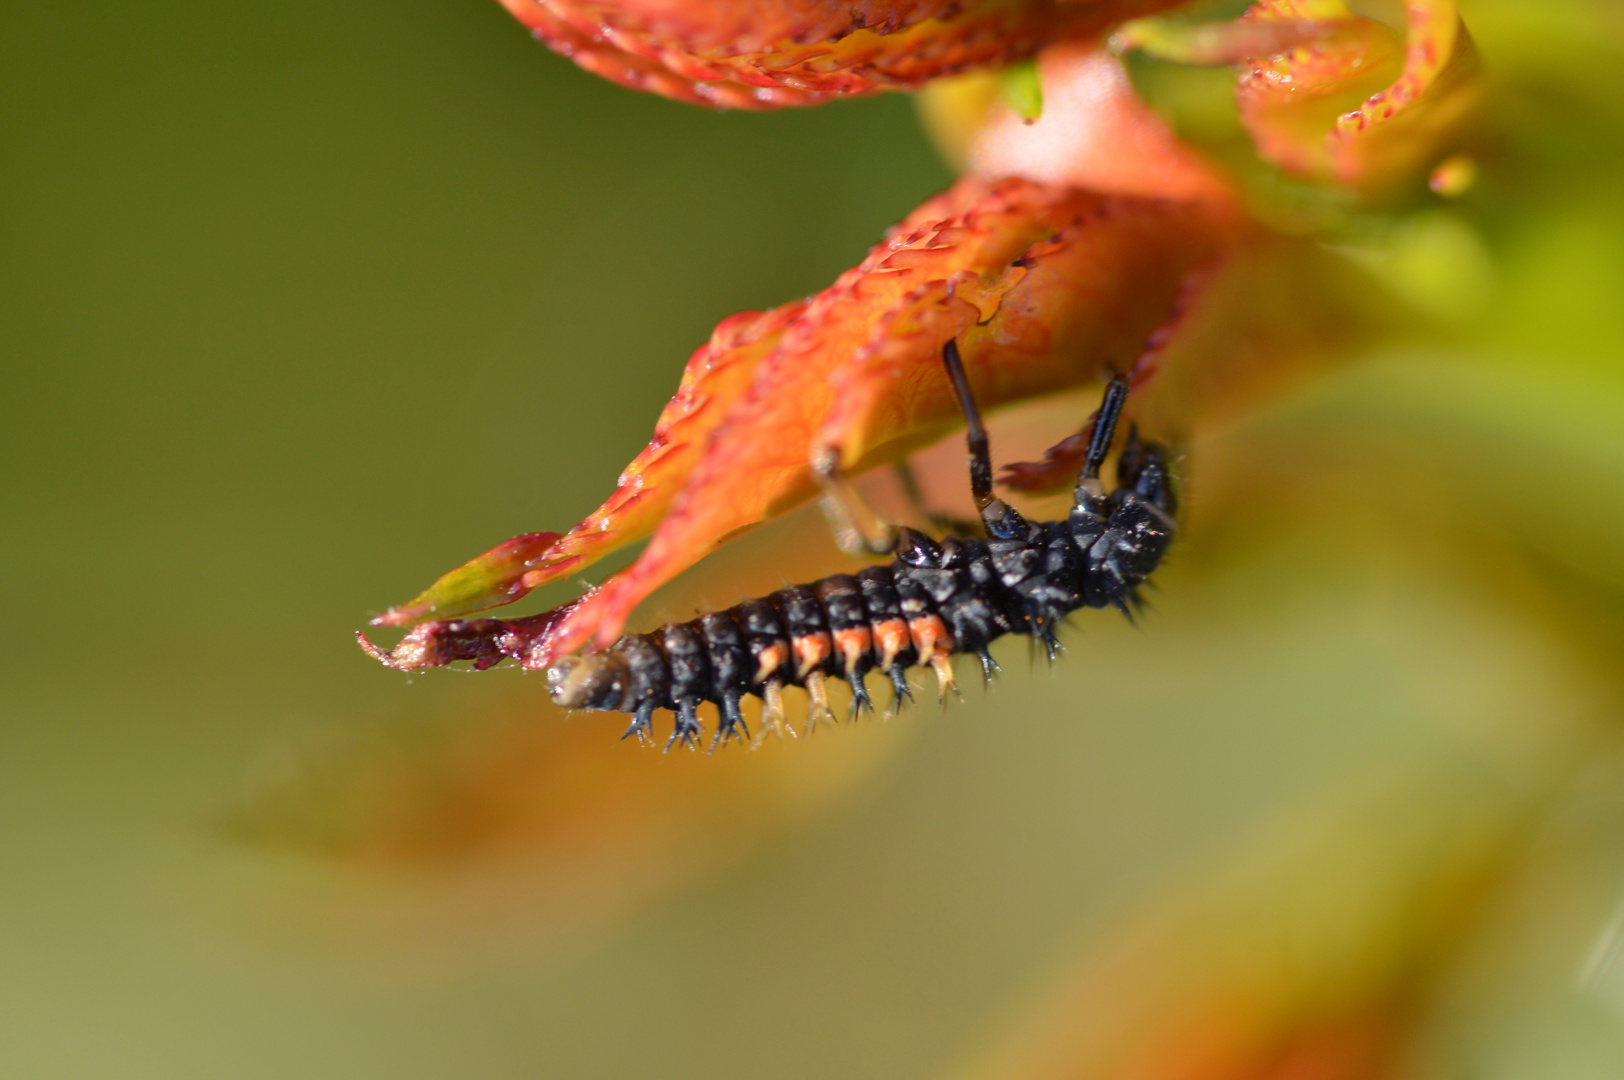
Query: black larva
{"points": [[933, 600]]}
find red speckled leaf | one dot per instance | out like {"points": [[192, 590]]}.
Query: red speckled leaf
{"points": [[765, 54], [1364, 106]]}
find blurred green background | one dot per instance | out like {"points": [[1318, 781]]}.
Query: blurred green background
{"points": [[302, 304]]}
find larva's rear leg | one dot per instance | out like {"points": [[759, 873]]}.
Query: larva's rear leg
{"points": [[732, 724], [690, 680], [730, 670]]}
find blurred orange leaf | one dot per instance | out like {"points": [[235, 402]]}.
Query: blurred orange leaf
{"points": [[1311, 954], [1364, 105], [507, 832], [1095, 133]]}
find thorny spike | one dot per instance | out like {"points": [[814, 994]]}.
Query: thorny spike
{"points": [[1051, 641]]}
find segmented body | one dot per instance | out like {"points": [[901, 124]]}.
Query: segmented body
{"points": [[933, 600]]}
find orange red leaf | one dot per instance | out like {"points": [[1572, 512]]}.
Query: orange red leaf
{"points": [[746, 54], [1044, 287]]}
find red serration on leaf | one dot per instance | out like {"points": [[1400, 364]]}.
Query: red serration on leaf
{"points": [[1364, 105], [763, 55]]}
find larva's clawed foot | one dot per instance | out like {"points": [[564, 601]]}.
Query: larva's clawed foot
{"points": [[773, 717], [728, 732], [861, 702], [642, 726], [817, 696], [686, 729], [900, 690], [1051, 642], [989, 666], [732, 725]]}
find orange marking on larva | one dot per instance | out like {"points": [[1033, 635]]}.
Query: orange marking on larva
{"points": [[930, 637], [772, 658], [854, 644], [892, 637], [811, 650]]}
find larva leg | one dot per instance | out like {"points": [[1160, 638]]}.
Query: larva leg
{"points": [[1101, 435], [975, 433], [998, 518], [817, 696], [943, 667], [858, 527], [772, 712]]}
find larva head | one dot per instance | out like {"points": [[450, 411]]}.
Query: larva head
{"points": [[590, 681]]}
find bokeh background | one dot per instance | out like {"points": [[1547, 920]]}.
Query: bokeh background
{"points": [[301, 304]]}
